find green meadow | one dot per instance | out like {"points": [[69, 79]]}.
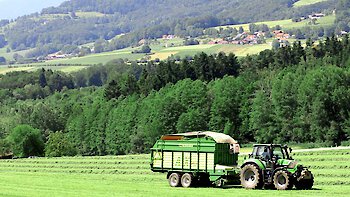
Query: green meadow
{"points": [[131, 176], [301, 3], [289, 24]]}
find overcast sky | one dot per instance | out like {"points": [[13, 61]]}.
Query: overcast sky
{"points": [[10, 9]]}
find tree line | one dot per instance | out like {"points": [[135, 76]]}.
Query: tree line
{"points": [[291, 94]]}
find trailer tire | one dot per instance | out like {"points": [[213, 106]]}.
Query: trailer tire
{"points": [[187, 180], [174, 179], [251, 177], [282, 180]]}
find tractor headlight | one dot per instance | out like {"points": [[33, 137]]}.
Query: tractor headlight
{"points": [[292, 164]]}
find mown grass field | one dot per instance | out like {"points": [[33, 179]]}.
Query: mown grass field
{"points": [[306, 2], [131, 176]]}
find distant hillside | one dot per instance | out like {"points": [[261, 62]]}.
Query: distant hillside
{"points": [[77, 22]]}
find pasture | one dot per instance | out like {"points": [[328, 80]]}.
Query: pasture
{"points": [[130, 176], [183, 51], [288, 23], [159, 50], [301, 3], [29, 68]]}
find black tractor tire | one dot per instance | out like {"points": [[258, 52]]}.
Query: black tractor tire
{"points": [[282, 180], [251, 177], [174, 179], [187, 180], [304, 184]]}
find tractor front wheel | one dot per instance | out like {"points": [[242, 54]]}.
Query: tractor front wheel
{"points": [[282, 180], [174, 179], [251, 177]]}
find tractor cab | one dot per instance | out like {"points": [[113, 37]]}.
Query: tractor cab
{"points": [[270, 152]]}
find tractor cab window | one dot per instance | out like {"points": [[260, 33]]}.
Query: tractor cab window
{"points": [[258, 151], [279, 152], [261, 152]]}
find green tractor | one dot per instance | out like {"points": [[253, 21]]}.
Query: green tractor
{"points": [[271, 166]]}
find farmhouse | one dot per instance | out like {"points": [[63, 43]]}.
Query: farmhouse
{"points": [[279, 34], [56, 56], [343, 33], [168, 37], [316, 16], [142, 42]]}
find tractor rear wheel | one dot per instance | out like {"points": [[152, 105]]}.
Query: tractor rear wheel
{"points": [[282, 180], [251, 177], [187, 180], [174, 179], [304, 184]]}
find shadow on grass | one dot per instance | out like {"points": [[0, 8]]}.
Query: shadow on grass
{"points": [[240, 187]]}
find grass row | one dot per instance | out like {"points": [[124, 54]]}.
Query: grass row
{"points": [[325, 164]]}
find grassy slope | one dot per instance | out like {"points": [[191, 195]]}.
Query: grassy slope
{"points": [[289, 24], [159, 49], [306, 2], [130, 176], [9, 56], [67, 69]]}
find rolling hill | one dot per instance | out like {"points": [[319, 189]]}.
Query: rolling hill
{"points": [[57, 27], [76, 25]]}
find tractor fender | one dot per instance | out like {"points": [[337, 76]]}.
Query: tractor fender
{"points": [[256, 162], [279, 168]]}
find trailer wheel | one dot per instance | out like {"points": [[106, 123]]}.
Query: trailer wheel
{"points": [[282, 180], [251, 177], [187, 180], [174, 179]]}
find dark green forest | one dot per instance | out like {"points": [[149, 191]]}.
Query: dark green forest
{"points": [[290, 94]]}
